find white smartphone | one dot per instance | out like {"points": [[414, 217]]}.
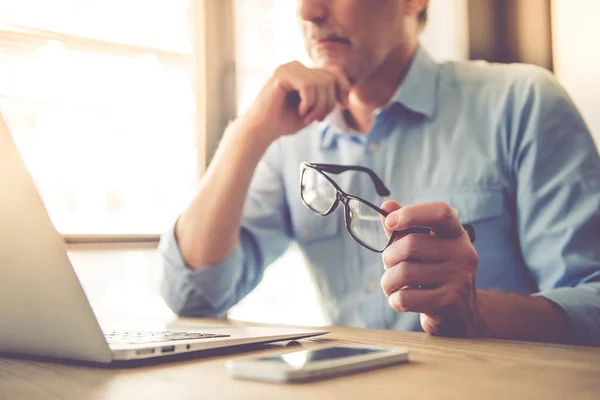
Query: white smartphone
{"points": [[313, 364]]}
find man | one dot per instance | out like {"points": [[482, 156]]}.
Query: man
{"points": [[502, 145]]}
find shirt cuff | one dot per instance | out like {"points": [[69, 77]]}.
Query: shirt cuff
{"points": [[582, 305], [207, 292]]}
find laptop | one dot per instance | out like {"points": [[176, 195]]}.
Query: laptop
{"points": [[44, 311]]}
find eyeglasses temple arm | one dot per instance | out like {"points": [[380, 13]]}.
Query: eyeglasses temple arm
{"points": [[382, 190], [425, 230]]}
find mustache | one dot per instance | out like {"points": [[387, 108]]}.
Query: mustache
{"points": [[326, 34]]}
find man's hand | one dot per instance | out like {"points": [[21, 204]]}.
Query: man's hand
{"points": [[432, 274], [294, 97]]}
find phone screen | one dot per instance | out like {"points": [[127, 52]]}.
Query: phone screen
{"points": [[299, 359]]}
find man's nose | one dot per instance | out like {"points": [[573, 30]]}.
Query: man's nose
{"points": [[312, 10]]}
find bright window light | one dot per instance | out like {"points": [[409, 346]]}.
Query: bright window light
{"points": [[98, 95]]}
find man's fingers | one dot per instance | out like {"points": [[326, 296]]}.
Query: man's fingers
{"points": [[308, 96], [342, 86], [417, 247], [329, 86], [426, 301], [325, 100], [389, 206], [318, 89], [330, 103], [440, 217], [413, 275], [322, 107], [318, 105]]}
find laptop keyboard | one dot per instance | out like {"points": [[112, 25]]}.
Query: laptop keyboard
{"points": [[142, 337]]}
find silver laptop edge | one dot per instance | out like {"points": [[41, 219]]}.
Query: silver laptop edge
{"points": [[43, 308]]}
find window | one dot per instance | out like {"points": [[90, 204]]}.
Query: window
{"points": [[576, 65], [267, 35], [98, 95]]}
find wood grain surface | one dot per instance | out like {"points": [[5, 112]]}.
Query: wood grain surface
{"points": [[439, 368]]}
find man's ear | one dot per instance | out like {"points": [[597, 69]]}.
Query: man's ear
{"points": [[414, 7]]}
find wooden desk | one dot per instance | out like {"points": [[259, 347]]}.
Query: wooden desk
{"points": [[439, 368]]}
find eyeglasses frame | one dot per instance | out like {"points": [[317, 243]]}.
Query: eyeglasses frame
{"points": [[344, 198]]}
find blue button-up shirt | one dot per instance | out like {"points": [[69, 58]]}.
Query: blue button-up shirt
{"points": [[503, 144]]}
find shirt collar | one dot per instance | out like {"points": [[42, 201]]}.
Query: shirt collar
{"points": [[417, 92]]}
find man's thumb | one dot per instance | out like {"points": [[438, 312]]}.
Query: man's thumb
{"points": [[389, 206]]}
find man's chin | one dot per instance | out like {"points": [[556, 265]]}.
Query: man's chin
{"points": [[331, 62]]}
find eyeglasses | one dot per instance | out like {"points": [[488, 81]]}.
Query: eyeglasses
{"points": [[363, 219]]}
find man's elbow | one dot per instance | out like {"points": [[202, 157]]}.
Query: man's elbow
{"points": [[189, 306]]}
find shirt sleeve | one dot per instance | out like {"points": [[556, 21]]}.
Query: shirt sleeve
{"points": [[264, 236], [558, 203]]}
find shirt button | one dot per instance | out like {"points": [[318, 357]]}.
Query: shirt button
{"points": [[373, 147], [372, 286], [306, 231]]}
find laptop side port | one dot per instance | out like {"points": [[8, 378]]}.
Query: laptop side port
{"points": [[167, 349], [144, 351]]}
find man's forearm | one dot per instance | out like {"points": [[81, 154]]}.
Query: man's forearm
{"points": [[207, 232], [522, 317]]}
